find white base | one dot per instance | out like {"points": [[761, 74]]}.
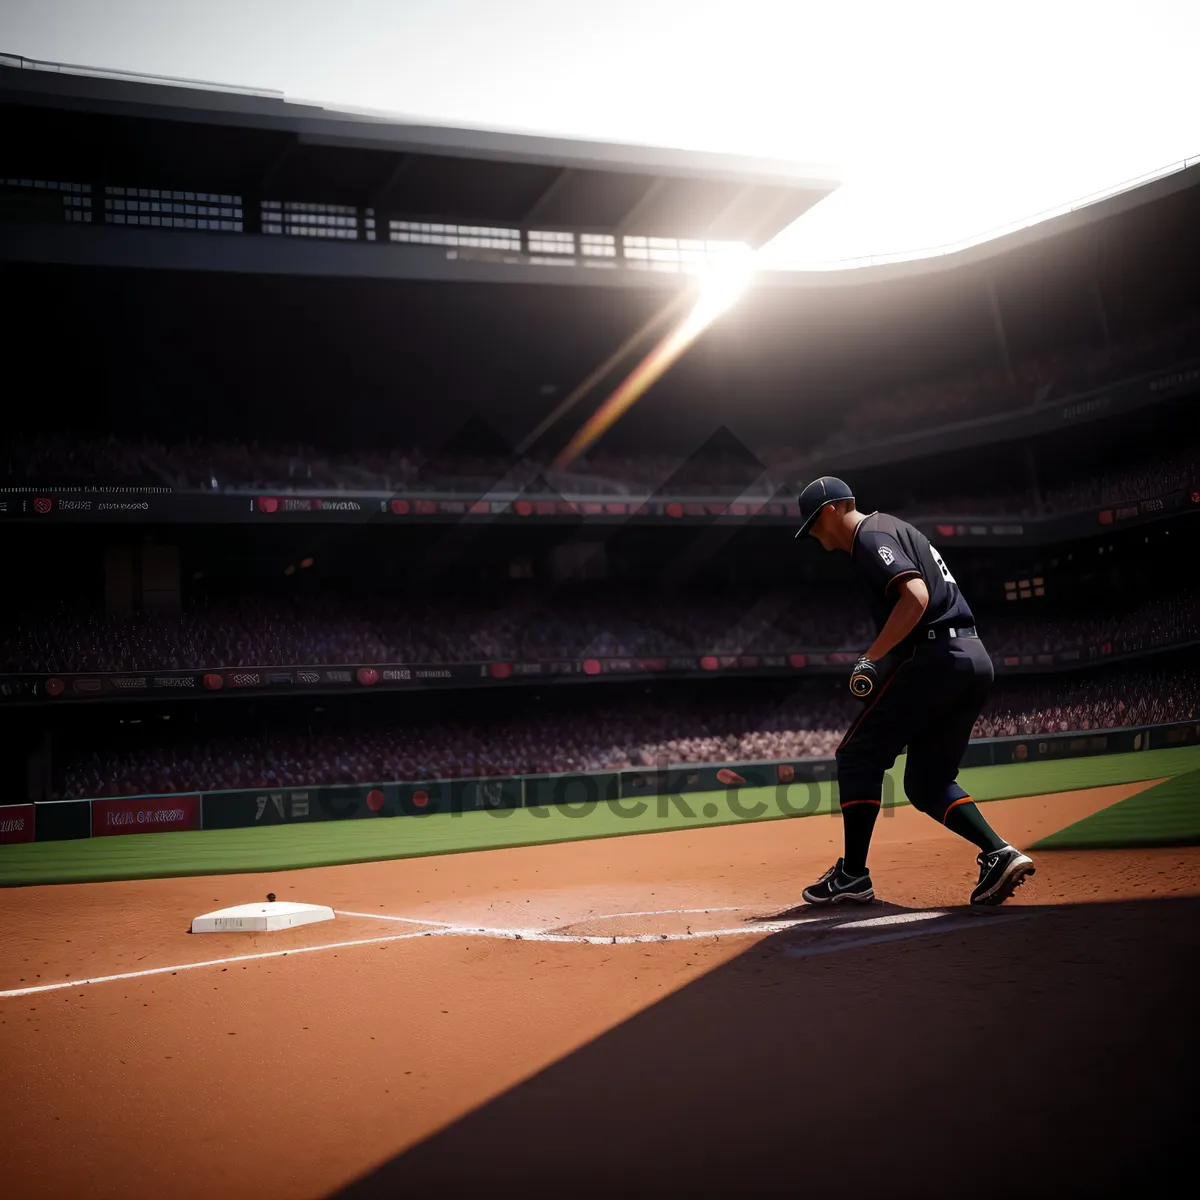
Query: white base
{"points": [[261, 918]]}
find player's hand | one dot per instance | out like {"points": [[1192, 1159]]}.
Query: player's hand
{"points": [[863, 678]]}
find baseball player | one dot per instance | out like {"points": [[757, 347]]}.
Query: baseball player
{"points": [[924, 681]]}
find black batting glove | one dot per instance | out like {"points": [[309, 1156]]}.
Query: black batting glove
{"points": [[863, 678]]}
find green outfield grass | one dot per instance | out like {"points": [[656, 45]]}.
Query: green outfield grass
{"points": [[1165, 815], [287, 847]]}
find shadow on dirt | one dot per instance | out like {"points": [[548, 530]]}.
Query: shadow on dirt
{"points": [[1045, 1055]]}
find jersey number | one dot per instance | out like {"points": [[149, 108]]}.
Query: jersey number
{"points": [[945, 570]]}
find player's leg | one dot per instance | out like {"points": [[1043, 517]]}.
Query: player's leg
{"points": [[931, 773], [867, 751]]}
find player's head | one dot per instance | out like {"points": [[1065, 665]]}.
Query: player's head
{"points": [[823, 504]]}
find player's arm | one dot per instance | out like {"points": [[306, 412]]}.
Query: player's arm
{"points": [[910, 604]]}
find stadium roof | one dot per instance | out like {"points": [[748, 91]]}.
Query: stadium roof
{"points": [[142, 131]]}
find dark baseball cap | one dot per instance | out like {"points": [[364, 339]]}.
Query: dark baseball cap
{"points": [[819, 493]]}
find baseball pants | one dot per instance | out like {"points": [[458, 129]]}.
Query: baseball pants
{"points": [[928, 703]]}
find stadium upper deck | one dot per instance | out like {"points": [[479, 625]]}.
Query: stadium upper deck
{"points": [[113, 149], [124, 150]]}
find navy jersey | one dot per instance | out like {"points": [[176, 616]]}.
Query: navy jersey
{"points": [[885, 552]]}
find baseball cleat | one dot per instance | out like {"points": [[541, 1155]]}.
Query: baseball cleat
{"points": [[1000, 874], [835, 886]]}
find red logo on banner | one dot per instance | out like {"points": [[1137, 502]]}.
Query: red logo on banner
{"points": [[1196, 497], [523, 508], [730, 778], [945, 530], [368, 676], [16, 823], [400, 507], [145, 814], [1106, 517], [427, 507], [709, 663], [798, 660], [42, 504], [420, 799], [55, 687], [268, 504], [375, 799], [480, 508], [213, 682], [318, 504], [786, 772], [500, 670], [591, 666]]}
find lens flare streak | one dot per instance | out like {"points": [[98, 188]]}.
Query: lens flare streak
{"points": [[720, 292]]}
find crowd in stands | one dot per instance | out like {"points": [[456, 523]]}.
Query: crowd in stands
{"points": [[214, 465], [1150, 696], [525, 624], [557, 739], [74, 462], [1171, 469], [67, 460], [528, 625], [698, 727], [986, 392], [1174, 471], [1165, 621]]}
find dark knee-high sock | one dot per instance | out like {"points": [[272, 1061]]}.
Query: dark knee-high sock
{"points": [[967, 821], [858, 822]]}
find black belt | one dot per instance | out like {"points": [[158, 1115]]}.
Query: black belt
{"points": [[943, 633]]}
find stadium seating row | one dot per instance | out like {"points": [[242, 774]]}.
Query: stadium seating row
{"points": [[528, 624], [766, 724]]}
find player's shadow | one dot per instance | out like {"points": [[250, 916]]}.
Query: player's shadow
{"points": [[875, 910], [993, 1059], [814, 912]]}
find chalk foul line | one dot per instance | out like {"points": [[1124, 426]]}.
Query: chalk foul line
{"points": [[827, 939], [211, 962]]}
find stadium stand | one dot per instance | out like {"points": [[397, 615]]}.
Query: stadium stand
{"points": [[1149, 696], [762, 723], [1138, 478], [61, 461], [533, 622], [525, 624], [1036, 380]]}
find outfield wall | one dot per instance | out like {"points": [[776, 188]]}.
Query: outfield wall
{"points": [[70, 819]]}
